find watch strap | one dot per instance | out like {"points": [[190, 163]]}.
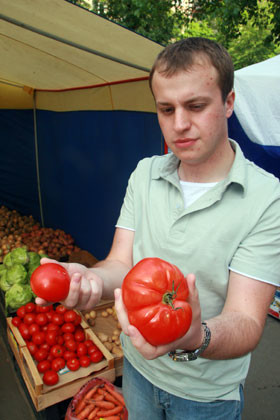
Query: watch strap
{"points": [[187, 356]]}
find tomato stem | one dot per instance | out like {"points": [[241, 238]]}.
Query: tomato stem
{"points": [[169, 296]]}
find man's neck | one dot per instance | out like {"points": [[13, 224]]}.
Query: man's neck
{"points": [[213, 170]]}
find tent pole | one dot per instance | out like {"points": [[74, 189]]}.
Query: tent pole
{"points": [[37, 158], [71, 43]]}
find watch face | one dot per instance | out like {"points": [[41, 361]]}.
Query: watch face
{"points": [[185, 356]]}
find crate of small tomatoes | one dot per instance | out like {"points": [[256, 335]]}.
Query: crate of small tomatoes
{"points": [[56, 349]]}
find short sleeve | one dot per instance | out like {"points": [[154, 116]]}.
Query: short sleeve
{"points": [[126, 218], [258, 255]]}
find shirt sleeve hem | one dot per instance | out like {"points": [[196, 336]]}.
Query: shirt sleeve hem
{"points": [[125, 227], [254, 277]]}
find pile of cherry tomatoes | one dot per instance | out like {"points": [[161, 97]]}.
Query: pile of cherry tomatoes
{"points": [[55, 339]]}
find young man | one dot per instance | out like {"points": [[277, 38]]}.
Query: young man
{"points": [[206, 209]]}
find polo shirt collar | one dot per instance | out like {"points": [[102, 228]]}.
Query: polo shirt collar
{"points": [[238, 173]]}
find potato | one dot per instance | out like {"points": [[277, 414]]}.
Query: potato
{"points": [[92, 314], [108, 345], [117, 351], [102, 337]]}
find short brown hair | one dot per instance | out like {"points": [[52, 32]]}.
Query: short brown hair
{"points": [[181, 56]]}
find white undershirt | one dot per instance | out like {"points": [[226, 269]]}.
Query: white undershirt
{"points": [[193, 190]]}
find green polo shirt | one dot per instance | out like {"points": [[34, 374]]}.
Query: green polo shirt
{"points": [[233, 226]]}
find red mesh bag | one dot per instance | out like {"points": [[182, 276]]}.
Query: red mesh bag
{"points": [[77, 406]]}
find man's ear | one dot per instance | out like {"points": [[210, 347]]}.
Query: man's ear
{"points": [[230, 103]]}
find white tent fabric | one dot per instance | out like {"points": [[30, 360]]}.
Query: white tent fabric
{"points": [[257, 103]]}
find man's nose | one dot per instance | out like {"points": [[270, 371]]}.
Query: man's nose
{"points": [[182, 120]]}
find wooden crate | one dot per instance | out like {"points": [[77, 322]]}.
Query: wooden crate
{"points": [[69, 382], [107, 326]]}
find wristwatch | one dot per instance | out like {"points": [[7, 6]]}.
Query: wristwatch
{"points": [[188, 356]]}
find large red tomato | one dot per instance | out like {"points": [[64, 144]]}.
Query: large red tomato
{"points": [[50, 282], [154, 293]]}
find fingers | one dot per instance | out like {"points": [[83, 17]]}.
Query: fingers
{"points": [[121, 311], [85, 291], [74, 291], [46, 260], [41, 302]]}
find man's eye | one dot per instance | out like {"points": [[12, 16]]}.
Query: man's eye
{"points": [[166, 110], [197, 107]]}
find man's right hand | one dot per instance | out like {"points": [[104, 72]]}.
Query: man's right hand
{"points": [[85, 288]]}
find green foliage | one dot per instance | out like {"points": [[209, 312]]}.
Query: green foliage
{"points": [[159, 20], [232, 15], [249, 29]]}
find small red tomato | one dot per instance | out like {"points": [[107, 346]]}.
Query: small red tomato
{"points": [[71, 345], [92, 349], [31, 347], [84, 361], [57, 350], [53, 327], [81, 349], [69, 355], [44, 309], [21, 312], [50, 377], [78, 319], [89, 343], [24, 331], [51, 337], [33, 328], [58, 363], [49, 315], [73, 363], [50, 282], [44, 366], [68, 327], [96, 356], [61, 309], [40, 355], [79, 336], [70, 315], [68, 336], [29, 318], [41, 319], [16, 321], [57, 318], [39, 338], [45, 346], [30, 307]]}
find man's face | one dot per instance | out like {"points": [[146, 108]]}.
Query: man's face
{"points": [[191, 113]]}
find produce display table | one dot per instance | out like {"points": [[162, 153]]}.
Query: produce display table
{"points": [[14, 380]]}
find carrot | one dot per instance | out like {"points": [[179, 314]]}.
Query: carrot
{"points": [[107, 413], [96, 398], [109, 397], [83, 401], [90, 393], [107, 405], [92, 415], [85, 412], [115, 394], [80, 406]]}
